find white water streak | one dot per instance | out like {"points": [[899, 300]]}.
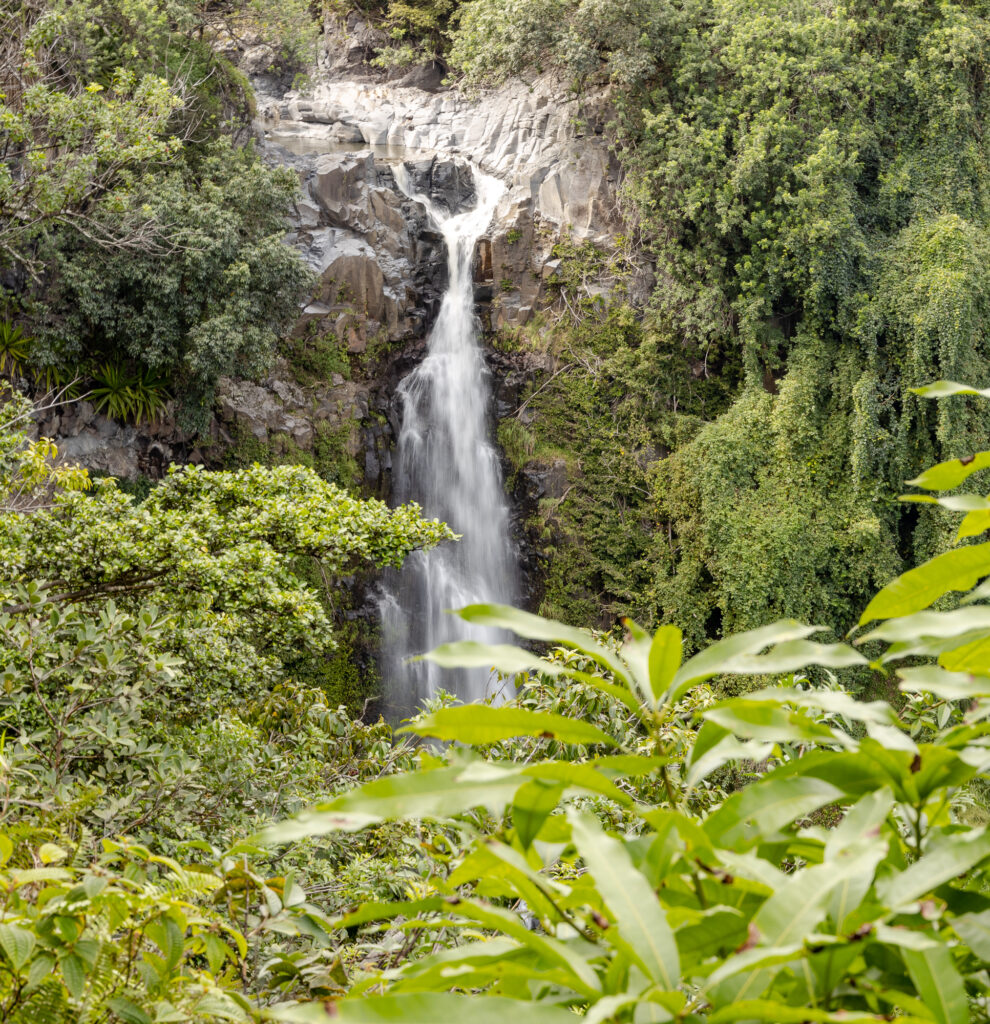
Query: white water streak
{"points": [[446, 462]]}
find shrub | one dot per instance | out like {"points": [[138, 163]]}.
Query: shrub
{"points": [[845, 881]]}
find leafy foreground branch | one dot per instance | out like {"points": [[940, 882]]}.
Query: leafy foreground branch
{"points": [[622, 844], [847, 881]]}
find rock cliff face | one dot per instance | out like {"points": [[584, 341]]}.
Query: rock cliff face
{"points": [[374, 250], [547, 146]]}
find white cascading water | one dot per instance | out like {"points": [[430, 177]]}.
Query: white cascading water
{"points": [[446, 462]]}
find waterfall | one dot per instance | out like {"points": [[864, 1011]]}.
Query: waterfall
{"points": [[446, 462]]}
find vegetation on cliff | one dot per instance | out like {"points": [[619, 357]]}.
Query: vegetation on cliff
{"points": [[133, 233], [703, 822], [810, 184]]}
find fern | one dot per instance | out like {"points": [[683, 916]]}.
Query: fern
{"points": [[47, 1004]]}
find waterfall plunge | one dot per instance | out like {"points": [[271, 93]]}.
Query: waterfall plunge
{"points": [[447, 464]]}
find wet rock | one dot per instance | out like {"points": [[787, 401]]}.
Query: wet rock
{"points": [[427, 77], [548, 146], [448, 184], [373, 249]]}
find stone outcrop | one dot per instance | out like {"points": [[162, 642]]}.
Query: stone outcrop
{"points": [[375, 251], [449, 185], [547, 146], [88, 438]]}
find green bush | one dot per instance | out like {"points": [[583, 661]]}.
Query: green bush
{"points": [[133, 232], [609, 862]]}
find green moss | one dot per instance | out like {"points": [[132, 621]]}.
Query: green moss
{"points": [[331, 459], [314, 358], [329, 455], [348, 674], [139, 488], [517, 443]]}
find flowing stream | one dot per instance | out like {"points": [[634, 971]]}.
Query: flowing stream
{"points": [[446, 462]]}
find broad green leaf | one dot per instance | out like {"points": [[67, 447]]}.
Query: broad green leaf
{"points": [[837, 702], [49, 853], [903, 937], [974, 930], [648, 1012], [481, 724], [946, 475], [534, 803], [958, 569], [368, 912], [980, 593], [693, 835], [471, 953], [953, 856], [74, 974], [938, 983], [771, 721], [931, 624], [753, 964], [605, 1010], [128, 1012], [640, 920], [947, 388], [664, 659], [861, 822], [439, 793], [217, 1005], [718, 930], [512, 660], [793, 655], [41, 966], [583, 977], [29, 876], [972, 657], [939, 767], [471, 654], [947, 685], [533, 627], [477, 965], [953, 502], [501, 870], [715, 659], [726, 750], [764, 807], [17, 943], [973, 524], [217, 952], [796, 909], [928, 647], [578, 777], [635, 652], [782, 1013], [423, 1008]]}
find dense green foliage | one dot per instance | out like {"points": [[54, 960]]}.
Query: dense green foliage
{"points": [[654, 853], [131, 229], [121, 620], [810, 184], [658, 828], [620, 841]]}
